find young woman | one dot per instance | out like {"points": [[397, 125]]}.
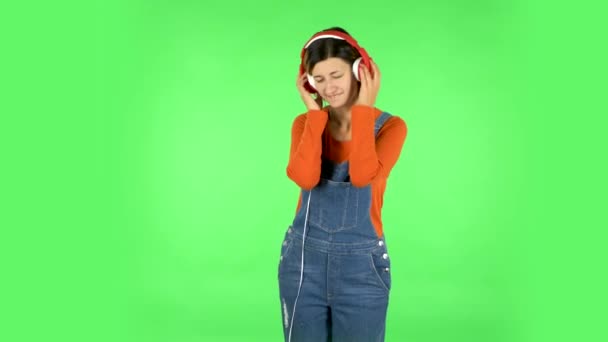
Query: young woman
{"points": [[334, 269]]}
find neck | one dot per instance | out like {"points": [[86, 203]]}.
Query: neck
{"points": [[340, 116]]}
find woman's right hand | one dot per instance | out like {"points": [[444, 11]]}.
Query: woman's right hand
{"points": [[311, 104]]}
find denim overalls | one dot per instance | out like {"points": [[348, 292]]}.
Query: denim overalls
{"points": [[342, 292]]}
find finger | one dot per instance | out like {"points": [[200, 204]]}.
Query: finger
{"points": [[301, 80], [366, 76], [373, 77], [376, 74], [361, 73], [371, 70], [362, 78], [364, 88]]}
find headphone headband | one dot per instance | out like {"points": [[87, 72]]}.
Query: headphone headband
{"points": [[322, 36]]}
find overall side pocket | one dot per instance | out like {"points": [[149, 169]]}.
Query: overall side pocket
{"points": [[380, 264]]}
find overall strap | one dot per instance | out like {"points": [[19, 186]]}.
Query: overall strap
{"points": [[380, 121]]}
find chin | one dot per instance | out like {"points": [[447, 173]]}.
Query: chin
{"points": [[337, 104]]}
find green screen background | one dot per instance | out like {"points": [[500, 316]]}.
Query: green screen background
{"points": [[151, 204]]}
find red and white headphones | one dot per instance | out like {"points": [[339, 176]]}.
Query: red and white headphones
{"points": [[365, 59]]}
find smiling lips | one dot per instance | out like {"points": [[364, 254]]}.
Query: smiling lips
{"points": [[333, 97]]}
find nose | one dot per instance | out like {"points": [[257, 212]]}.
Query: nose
{"points": [[330, 84]]}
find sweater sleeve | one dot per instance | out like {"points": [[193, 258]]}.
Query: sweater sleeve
{"points": [[304, 167], [370, 156]]}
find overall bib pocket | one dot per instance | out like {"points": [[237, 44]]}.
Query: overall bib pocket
{"points": [[334, 206]]}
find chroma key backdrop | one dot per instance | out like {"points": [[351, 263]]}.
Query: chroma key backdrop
{"points": [[152, 204]]}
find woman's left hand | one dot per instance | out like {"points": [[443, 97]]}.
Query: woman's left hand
{"points": [[369, 85]]}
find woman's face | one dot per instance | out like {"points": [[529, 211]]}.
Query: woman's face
{"points": [[334, 81]]}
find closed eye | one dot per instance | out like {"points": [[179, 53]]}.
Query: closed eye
{"points": [[319, 80]]}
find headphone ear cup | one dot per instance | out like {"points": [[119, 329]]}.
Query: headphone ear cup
{"points": [[311, 81], [356, 68]]}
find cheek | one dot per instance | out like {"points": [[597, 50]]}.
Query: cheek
{"points": [[344, 84], [349, 86]]}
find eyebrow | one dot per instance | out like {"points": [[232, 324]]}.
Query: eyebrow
{"points": [[331, 73]]}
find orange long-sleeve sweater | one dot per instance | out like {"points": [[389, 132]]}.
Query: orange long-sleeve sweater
{"points": [[370, 158]]}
